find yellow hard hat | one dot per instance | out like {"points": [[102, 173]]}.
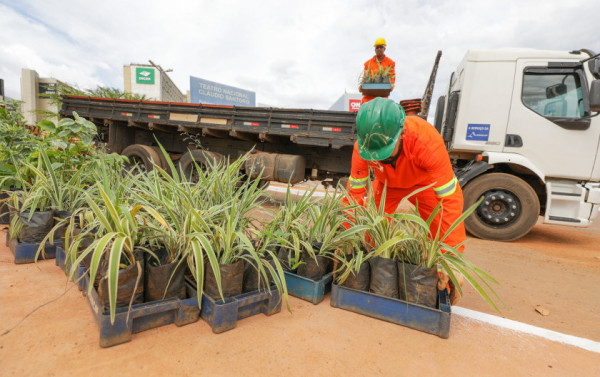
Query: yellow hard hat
{"points": [[379, 42]]}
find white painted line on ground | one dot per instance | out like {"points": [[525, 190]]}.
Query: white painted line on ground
{"points": [[294, 191], [554, 336]]}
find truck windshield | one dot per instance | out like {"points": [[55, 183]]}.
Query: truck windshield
{"points": [[553, 95]]}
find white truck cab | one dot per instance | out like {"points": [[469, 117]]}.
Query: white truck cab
{"points": [[521, 129]]}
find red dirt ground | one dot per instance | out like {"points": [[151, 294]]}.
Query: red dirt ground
{"points": [[556, 267]]}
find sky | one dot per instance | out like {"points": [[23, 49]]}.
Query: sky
{"points": [[294, 54]]}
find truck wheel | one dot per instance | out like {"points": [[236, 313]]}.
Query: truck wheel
{"points": [[163, 159], [142, 156], [202, 158], [509, 210]]}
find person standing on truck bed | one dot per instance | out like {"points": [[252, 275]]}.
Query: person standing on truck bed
{"points": [[407, 153], [377, 64]]}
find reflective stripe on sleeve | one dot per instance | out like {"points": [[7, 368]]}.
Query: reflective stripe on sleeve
{"points": [[358, 183], [447, 189]]}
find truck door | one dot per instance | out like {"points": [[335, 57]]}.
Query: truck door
{"points": [[547, 122]]}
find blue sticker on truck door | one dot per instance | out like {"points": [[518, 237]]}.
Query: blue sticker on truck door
{"points": [[479, 132]]}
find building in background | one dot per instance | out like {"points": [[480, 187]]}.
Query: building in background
{"points": [[210, 92], [35, 107], [347, 102], [152, 81]]}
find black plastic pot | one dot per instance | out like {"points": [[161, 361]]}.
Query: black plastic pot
{"points": [[284, 254], [384, 277], [60, 232], [163, 280], [232, 278], [251, 278], [361, 280], [35, 229], [313, 269], [126, 287], [417, 284]]}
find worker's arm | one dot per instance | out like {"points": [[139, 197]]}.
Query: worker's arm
{"points": [[433, 157], [359, 176]]}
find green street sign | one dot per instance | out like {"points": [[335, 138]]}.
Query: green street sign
{"points": [[144, 75]]}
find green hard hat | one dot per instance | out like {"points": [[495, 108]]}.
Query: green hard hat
{"points": [[379, 123]]}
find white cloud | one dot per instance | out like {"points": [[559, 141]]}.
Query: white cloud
{"points": [[291, 53]]}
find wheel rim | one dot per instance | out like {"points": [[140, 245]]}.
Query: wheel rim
{"points": [[499, 208]]}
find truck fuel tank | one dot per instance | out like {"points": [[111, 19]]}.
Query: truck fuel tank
{"points": [[276, 167]]}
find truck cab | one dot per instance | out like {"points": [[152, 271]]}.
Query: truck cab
{"points": [[521, 129]]}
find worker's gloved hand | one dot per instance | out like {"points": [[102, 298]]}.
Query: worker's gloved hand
{"points": [[444, 280], [360, 88], [392, 87]]}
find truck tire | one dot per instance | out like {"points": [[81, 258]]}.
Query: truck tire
{"points": [[163, 159], [142, 155], [509, 210], [201, 157]]}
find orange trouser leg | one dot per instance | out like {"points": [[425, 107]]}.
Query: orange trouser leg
{"points": [[452, 209]]}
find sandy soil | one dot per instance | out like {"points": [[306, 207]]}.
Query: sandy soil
{"points": [[556, 267]]}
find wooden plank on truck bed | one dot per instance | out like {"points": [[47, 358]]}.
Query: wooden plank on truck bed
{"points": [[214, 121], [193, 118]]}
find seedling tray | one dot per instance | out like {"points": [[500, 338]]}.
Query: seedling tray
{"points": [[81, 280], [377, 89], [223, 315], [418, 317], [142, 316], [60, 257], [307, 289], [24, 252]]}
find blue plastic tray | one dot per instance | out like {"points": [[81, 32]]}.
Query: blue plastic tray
{"points": [[61, 257], [24, 252], [223, 315], [376, 89], [142, 316], [307, 289], [418, 317]]}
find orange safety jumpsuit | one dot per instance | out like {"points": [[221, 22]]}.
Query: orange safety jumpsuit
{"points": [[372, 66], [423, 160]]}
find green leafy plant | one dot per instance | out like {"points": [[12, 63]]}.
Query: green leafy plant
{"points": [[117, 238], [377, 76], [324, 232]]}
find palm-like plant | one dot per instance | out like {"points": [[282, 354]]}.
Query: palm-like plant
{"points": [[288, 224], [325, 232], [117, 239]]}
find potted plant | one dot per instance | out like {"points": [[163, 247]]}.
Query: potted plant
{"points": [[381, 242], [291, 217], [323, 234], [377, 83], [33, 217], [423, 256], [116, 250]]}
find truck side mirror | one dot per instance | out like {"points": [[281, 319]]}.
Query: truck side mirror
{"points": [[555, 90], [595, 96]]}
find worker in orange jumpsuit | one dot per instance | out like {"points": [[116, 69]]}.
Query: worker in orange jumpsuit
{"points": [[378, 63], [407, 153]]}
